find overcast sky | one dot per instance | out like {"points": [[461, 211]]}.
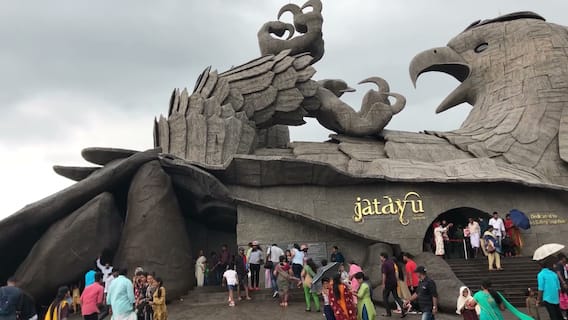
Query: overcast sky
{"points": [[76, 74]]}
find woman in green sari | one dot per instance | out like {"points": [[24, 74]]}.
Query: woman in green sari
{"points": [[365, 306], [492, 303]]}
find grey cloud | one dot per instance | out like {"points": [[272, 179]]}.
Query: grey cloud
{"points": [[133, 53], [122, 58]]}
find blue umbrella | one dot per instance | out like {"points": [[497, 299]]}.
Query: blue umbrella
{"points": [[520, 219]]}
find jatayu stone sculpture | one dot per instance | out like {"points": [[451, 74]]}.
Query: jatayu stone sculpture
{"points": [[231, 130]]}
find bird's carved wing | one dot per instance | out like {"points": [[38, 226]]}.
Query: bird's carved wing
{"points": [[222, 115]]}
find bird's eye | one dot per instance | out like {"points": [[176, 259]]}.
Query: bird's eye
{"points": [[481, 47]]}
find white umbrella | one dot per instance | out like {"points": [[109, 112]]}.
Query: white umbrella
{"points": [[546, 250]]}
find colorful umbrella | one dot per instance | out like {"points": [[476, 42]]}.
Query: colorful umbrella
{"points": [[520, 219]]}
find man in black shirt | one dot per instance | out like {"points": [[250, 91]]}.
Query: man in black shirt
{"points": [[426, 294], [26, 307], [389, 285], [9, 299], [241, 269], [336, 255]]}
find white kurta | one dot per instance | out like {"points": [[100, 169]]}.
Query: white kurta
{"points": [[474, 234], [439, 240], [200, 266]]}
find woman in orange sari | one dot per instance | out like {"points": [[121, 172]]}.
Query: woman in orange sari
{"points": [[341, 301]]}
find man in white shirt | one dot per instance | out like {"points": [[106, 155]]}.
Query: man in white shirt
{"points": [[273, 254], [498, 227], [106, 269]]}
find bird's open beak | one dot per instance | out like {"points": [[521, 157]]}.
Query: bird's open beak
{"points": [[348, 89], [443, 59]]}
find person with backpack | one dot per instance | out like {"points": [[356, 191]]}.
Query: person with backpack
{"points": [[9, 299], [27, 307], [492, 249]]}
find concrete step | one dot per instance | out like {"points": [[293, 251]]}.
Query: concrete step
{"points": [[497, 275], [483, 260], [198, 297], [519, 274]]}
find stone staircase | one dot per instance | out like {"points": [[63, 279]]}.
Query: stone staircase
{"points": [[519, 274], [216, 295]]}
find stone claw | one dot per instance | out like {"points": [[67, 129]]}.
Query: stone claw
{"points": [[381, 83]]}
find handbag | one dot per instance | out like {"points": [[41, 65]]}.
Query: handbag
{"points": [[490, 247], [308, 280], [563, 301], [268, 264]]}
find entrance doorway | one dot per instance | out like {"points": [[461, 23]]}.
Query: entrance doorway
{"points": [[210, 224], [459, 217]]}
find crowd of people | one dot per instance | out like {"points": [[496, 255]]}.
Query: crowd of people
{"points": [[347, 294], [107, 291], [110, 291], [344, 288], [493, 238], [552, 294]]}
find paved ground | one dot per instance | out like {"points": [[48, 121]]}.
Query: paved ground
{"points": [[261, 310]]}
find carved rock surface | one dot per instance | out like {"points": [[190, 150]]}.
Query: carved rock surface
{"points": [[70, 246], [447, 283], [103, 156], [74, 173], [154, 234], [20, 231], [372, 266]]}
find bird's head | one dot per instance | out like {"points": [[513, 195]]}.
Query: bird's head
{"points": [[488, 55], [336, 86]]}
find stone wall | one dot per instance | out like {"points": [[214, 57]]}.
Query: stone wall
{"points": [[205, 238], [332, 208], [266, 228]]}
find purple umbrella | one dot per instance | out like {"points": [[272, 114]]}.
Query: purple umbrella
{"points": [[520, 219]]}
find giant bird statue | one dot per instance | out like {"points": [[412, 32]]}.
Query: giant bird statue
{"points": [[223, 115], [514, 72]]}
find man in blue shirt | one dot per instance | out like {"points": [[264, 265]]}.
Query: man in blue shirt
{"points": [[120, 297], [549, 290]]}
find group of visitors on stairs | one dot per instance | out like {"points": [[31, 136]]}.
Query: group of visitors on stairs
{"points": [[493, 238], [551, 293]]}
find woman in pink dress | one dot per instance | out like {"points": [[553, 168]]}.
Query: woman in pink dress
{"points": [[354, 269]]}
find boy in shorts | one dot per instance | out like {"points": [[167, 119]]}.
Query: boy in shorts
{"points": [[230, 277]]}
